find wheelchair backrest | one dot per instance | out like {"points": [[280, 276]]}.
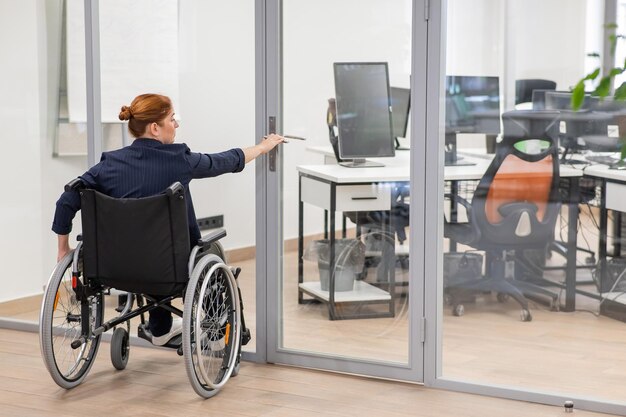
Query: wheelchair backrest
{"points": [[138, 245]]}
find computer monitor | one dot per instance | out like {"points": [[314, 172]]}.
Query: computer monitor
{"points": [[562, 100], [400, 107], [363, 104], [539, 99], [472, 106]]}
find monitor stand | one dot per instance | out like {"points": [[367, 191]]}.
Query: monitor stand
{"points": [[360, 163], [450, 156]]}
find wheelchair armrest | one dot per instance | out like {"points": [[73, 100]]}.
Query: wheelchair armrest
{"points": [[175, 188], [74, 185], [211, 237]]}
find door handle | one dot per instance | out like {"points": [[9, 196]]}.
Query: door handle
{"points": [[272, 154]]}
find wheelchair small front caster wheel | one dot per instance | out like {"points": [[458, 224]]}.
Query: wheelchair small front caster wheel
{"points": [[590, 260], [120, 348], [458, 310], [525, 315]]}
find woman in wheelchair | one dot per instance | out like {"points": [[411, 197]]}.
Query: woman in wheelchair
{"points": [[139, 228]]}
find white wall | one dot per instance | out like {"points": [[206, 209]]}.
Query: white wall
{"points": [[20, 204], [216, 82]]}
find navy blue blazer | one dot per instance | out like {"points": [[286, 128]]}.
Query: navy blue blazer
{"points": [[145, 168]]}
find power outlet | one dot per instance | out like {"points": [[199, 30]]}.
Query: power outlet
{"points": [[213, 222]]}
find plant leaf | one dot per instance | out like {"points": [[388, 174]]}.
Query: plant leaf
{"points": [[620, 92], [578, 94], [604, 87], [592, 75]]}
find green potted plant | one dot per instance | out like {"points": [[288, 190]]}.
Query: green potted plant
{"points": [[605, 85]]}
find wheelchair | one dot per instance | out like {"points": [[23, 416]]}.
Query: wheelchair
{"points": [[141, 246]]}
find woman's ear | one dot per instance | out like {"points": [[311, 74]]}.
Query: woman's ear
{"points": [[154, 129]]}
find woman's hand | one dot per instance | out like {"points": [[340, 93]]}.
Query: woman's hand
{"points": [[268, 143], [63, 246]]}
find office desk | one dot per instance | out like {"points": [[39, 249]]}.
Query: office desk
{"points": [[337, 188], [612, 198]]}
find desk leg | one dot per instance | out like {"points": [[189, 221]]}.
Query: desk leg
{"points": [[332, 314], [300, 240], [454, 190], [572, 237], [602, 245], [325, 224], [617, 233]]}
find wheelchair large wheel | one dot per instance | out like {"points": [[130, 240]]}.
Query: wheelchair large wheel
{"points": [[60, 324], [211, 326]]}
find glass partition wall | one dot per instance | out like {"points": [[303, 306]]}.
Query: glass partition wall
{"points": [[214, 105], [523, 300], [34, 114]]}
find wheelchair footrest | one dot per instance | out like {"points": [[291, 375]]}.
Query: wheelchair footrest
{"points": [[173, 343]]}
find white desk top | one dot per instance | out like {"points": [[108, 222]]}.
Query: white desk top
{"points": [[398, 169], [603, 171]]}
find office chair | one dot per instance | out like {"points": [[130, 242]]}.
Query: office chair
{"points": [[524, 89], [514, 209]]}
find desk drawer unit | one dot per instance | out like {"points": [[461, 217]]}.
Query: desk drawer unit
{"points": [[616, 196], [364, 197]]}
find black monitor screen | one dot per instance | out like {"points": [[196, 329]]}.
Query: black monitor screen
{"points": [[363, 110], [473, 104], [562, 100], [400, 105]]}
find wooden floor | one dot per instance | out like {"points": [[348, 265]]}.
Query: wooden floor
{"points": [[155, 384], [578, 353]]}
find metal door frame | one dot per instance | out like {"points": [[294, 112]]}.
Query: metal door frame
{"points": [[269, 204]]}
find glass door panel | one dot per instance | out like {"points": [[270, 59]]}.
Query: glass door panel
{"points": [[344, 292]]}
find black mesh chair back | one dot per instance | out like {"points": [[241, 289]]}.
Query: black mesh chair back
{"points": [[139, 245], [517, 202]]}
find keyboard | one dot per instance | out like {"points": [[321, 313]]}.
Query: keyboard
{"points": [[602, 159]]}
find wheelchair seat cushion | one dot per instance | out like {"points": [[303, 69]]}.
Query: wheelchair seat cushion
{"points": [[139, 245]]}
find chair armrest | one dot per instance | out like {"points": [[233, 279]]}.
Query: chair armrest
{"points": [[74, 185], [459, 200], [211, 237]]}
